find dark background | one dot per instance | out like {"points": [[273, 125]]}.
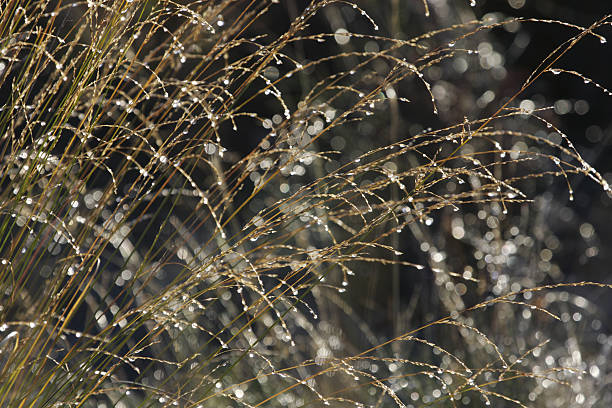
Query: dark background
{"points": [[552, 214]]}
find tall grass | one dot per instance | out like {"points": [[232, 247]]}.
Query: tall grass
{"points": [[190, 190]]}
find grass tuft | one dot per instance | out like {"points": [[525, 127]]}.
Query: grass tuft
{"points": [[194, 197]]}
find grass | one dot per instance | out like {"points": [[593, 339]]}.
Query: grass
{"points": [[191, 193]]}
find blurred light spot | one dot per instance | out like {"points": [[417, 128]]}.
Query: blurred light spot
{"points": [[485, 99], [341, 36], [460, 64], [371, 46], [527, 105], [581, 107], [516, 4], [586, 230], [563, 106]]}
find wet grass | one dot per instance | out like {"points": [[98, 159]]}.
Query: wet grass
{"points": [[187, 201]]}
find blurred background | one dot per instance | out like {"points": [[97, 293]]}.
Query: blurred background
{"points": [[559, 237]]}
